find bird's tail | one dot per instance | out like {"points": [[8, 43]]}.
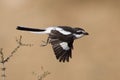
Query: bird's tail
{"points": [[29, 29], [33, 30]]}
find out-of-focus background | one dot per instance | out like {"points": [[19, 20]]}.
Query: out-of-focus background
{"points": [[95, 57]]}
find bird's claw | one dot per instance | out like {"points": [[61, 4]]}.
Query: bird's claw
{"points": [[44, 43]]}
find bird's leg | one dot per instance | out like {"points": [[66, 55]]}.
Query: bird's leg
{"points": [[45, 43]]}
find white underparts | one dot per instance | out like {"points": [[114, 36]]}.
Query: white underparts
{"points": [[64, 45]]}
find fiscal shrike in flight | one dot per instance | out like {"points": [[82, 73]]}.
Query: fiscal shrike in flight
{"points": [[60, 37]]}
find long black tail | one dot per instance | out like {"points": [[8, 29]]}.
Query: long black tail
{"points": [[29, 29]]}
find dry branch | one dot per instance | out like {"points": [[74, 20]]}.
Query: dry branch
{"points": [[4, 60], [43, 75]]}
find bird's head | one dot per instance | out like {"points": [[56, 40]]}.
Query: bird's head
{"points": [[79, 32]]}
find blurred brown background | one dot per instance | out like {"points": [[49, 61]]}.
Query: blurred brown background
{"points": [[95, 57]]}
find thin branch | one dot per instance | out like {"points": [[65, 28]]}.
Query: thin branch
{"points": [[20, 43], [3, 69], [1, 55], [43, 75], [4, 60]]}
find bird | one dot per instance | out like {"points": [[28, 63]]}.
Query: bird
{"points": [[60, 37]]}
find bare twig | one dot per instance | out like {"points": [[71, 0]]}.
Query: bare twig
{"points": [[3, 66], [43, 75], [1, 55], [19, 41], [4, 60]]}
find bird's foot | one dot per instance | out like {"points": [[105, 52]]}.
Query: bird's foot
{"points": [[44, 43]]}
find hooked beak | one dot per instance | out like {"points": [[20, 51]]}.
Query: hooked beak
{"points": [[85, 33]]}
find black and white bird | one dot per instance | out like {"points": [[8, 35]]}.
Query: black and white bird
{"points": [[60, 37]]}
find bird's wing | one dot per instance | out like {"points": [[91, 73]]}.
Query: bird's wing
{"points": [[62, 48]]}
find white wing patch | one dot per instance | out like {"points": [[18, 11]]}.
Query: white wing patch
{"points": [[64, 45]]}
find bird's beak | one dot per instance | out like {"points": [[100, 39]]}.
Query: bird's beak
{"points": [[85, 33]]}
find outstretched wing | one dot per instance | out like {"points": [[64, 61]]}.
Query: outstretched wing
{"points": [[61, 46]]}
